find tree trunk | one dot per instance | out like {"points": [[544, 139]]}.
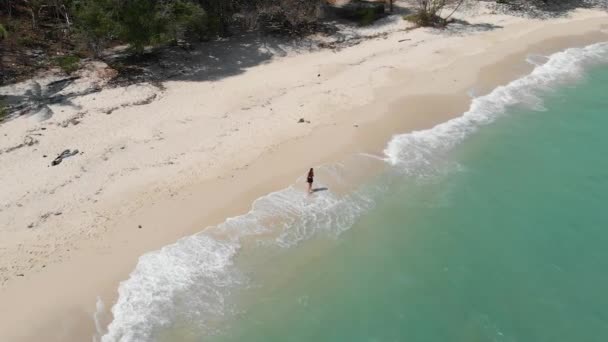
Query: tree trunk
{"points": [[33, 14], [454, 11]]}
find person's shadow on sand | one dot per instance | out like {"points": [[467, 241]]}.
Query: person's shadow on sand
{"points": [[319, 189]]}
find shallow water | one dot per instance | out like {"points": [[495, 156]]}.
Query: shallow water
{"points": [[490, 227]]}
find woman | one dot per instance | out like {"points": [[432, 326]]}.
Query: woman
{"points": [[310, 179]]}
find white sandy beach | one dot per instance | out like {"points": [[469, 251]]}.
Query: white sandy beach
{"points": [[154, 165]]}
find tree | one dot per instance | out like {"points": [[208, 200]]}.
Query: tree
{"points": [[183, 20], [61, 8], [290, 15], [96, 22], [34, 7], [428, 12], [139, 23], [150, 22], [219, 14]]}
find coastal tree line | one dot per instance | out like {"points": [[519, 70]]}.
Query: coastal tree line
{"points": [[34, 33], [139, 23], [94, 23], [71, 29]]}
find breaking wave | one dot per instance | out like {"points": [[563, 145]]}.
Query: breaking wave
{"points": [[195, 276]]}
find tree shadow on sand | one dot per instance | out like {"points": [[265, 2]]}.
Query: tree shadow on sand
{"points": [[207, 61], [462, 27], [215, 60], [38, 99]]}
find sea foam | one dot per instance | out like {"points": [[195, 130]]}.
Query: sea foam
{"points": [[194, 277], [420, 152], [147, 300]]}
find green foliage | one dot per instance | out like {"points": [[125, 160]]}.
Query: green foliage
{"points": [[91, 25], [215, 26], [412, 18], [26, 41], [422, 18], [184, 19], [68, 64], [139, 23], [146, 22], [428, 12], [367, 16], [3, 32], [95, 23], [362, 12], [3, 110]]}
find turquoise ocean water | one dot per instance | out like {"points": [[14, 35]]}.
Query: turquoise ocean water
{"points": [[491, 227]]}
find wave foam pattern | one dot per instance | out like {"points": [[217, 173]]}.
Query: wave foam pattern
{"points": [[196, 264], [195, 275], [421, 152]]}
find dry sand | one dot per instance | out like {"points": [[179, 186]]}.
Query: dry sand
{"points": [[164, 164]]}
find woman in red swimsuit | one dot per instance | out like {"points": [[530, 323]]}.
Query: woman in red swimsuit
{"points": [[310, 179]]}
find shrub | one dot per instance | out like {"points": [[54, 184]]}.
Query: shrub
{"points": [[3, 110], [292, 16], [68, 64], [3, 32], [363, 12], [147, 22], [184, 20], [139, 24], [424, 19], [95, 23], [27, 41], [368, 16], [428, 12]]}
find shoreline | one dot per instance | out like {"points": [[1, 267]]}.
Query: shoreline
{"points": [[122, 245]]}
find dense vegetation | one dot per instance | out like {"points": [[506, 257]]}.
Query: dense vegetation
{"points": [[137, 22], [34, 33], [3, 32], [33, 29], [147, 22], [428, 12]]}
